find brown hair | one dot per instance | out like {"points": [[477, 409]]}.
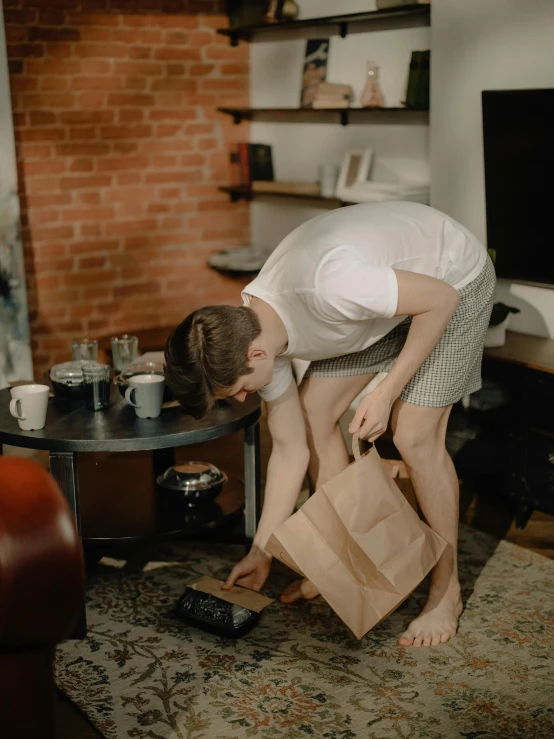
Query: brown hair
{"points": [[208, 352]]}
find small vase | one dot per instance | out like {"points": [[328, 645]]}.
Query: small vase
{"points": [[290, 10], [372, 95]]}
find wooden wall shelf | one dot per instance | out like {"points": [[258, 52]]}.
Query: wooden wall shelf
{"points": [[405, 16], [329, 115], [242, 192]]}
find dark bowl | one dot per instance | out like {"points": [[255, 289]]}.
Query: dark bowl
{"points": [[192, 483], [65, 393]]}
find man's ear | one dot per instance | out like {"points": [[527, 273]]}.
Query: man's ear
{"points": [[256, 353]]}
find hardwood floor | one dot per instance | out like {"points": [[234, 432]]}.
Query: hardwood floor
{"points": [[495, 516]]}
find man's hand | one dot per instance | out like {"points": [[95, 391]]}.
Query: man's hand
{"points": [[252, 571], [372, 416]]}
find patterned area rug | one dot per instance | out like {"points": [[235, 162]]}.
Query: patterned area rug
{"points": [[300, 674]]}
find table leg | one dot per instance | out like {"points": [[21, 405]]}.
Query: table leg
{"points": [[63, 468], [252, 488]]}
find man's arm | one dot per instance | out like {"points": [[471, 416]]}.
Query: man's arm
{"points": [[431, 303], [285, 472], [287, 464]]}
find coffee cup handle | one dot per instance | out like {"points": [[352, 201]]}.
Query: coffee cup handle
{"points": [[13, 409], [129, 399]]}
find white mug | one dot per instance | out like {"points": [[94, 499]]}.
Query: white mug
{"points": [[145, 393], [29, 404]]}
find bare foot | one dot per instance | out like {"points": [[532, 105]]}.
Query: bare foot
{"points": [[436, 624], [299, 589]]}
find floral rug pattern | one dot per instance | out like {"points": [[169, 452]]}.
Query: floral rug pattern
{"points": [[300, 674]]}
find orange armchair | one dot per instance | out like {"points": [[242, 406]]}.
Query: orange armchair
{"points": [[41, 594]]}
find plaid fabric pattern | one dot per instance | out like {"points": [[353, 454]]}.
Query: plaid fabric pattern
{"points": [[454, 367]]}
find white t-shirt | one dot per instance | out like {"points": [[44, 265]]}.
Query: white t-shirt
{"points": [[331, 280]]}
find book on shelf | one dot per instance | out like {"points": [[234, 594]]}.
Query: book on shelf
{"points": [[330, 101], [255, 162], [417, 92], [332, 88]]}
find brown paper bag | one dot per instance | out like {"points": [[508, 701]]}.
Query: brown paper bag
{"points": [[359, 542]]}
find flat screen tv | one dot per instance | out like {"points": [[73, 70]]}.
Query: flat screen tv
{"points": [[518, 138]]}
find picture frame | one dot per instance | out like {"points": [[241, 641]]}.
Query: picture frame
{"points": [[314, 70], [355, 169]]}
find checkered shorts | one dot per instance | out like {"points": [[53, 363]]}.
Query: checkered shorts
{"points": [[454, 367]]}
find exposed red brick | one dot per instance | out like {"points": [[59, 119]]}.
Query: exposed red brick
{"points": [[95, 83], [87, 116], [38, 33], [126, 132], [178, 52], [121, 98], [120, 151]]}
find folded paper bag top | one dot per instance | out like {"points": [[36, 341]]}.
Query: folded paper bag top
{"points": [[359, 541]]}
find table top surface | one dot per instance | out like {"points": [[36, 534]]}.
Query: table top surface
{"points": [[533, 352], [117, 428]]}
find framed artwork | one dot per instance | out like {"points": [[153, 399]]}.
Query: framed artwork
{"points": [[15, 351], [355, 168], [315, 69]]}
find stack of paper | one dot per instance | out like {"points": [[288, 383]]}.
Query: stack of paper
{"points": [[329, 95]]}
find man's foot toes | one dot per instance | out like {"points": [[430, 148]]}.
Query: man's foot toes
{"points": [[427, 641], [299, 589], [436, 640], [418, 641], [406, 640]]}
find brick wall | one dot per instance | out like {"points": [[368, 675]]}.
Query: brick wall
{"points": [[120, 154]]}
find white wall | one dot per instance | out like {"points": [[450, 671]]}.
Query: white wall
{"points": [[484, 45], [298, 149], [8, 170]]}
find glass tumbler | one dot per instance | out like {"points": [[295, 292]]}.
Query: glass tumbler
{"points": [[96, 385], [124, 350], [86, 349]]}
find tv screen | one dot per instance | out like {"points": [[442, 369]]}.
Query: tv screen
{"points": [[518, 138]]}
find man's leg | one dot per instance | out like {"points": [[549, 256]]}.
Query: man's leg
{"points": [[419, 435], [324, 400]]}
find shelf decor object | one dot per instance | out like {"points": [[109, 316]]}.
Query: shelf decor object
{"points": [[403, 16]]}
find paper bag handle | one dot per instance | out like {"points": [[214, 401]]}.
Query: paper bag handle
{"points": [[356, 447]]}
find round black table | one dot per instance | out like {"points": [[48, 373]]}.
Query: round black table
{"points": [[71, 429]]}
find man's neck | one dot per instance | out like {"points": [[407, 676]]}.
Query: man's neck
{"points": [[274, 332]]}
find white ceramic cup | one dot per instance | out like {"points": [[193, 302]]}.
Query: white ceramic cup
{"points": [[145, 393], [29, 404], [328, 176]]}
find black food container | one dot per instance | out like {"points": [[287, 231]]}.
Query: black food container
{"points": [[214, 615], [67, 381]]}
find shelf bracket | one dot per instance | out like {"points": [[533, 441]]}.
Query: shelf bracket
{"points": [[235, 197], [234, 39], [237, 117], [343, 29], [344, 117]]}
